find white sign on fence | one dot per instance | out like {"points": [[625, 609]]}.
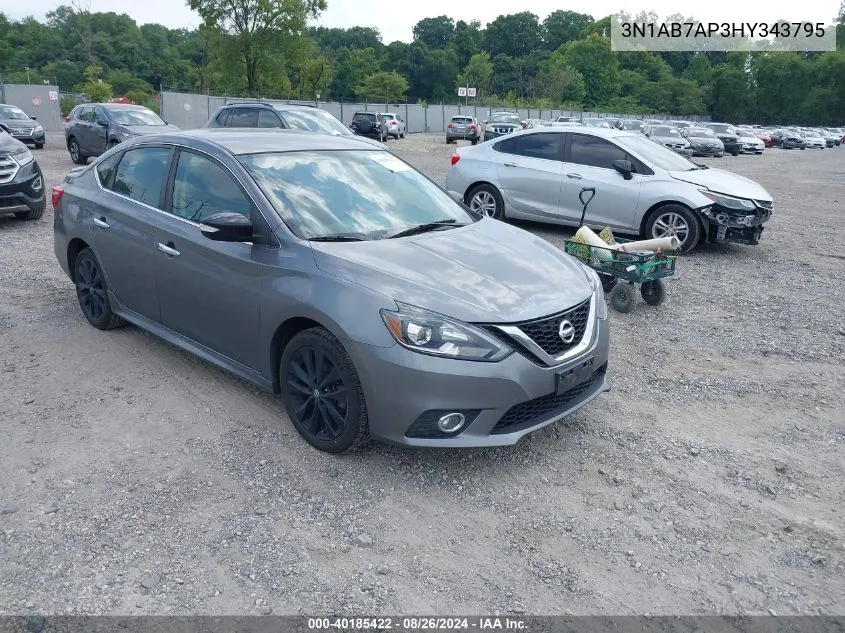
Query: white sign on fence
{"points": [[470, 92], [462, 91], [54, 96]]}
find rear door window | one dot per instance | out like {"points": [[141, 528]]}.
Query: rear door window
{"points": [[243, 117], [141, 174]]}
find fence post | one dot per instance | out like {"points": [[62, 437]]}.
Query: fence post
{"points": [[425, 112], [342, 118], [443, 112], [406, 115]]}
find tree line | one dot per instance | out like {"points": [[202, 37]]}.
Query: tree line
{"points": [[266, 48]]}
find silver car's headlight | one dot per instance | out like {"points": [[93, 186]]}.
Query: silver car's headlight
{"points": [[729, 202], [23, 158], [438, 335], [598, 290], [38, 129]]}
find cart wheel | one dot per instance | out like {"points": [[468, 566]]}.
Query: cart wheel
{"points": [[653, 292], [622, 298]]}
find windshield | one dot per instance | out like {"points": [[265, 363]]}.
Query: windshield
{"points": [[11, 112], [315, 121], [746, 134], [666, 131], [655, 154], [632, 125], [460, 119], [701, 132], [388, 117], [367, 194], [722, 129], [504, 118], [596, 122], [135, 117], [364, 115]]}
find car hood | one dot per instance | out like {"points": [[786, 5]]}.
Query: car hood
{"points": [[704, 139], [18, 123], [668, 139], [144, 130], [488, 272], [727, 136], [720, 181], [9, 145]]}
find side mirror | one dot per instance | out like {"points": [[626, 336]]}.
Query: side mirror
{"points": [[33, 118], [227, 227], [4, 128], [624, 167], [103, 123], [486, 122]]}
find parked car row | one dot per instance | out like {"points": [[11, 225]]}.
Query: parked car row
{"points": [[21, 126]]}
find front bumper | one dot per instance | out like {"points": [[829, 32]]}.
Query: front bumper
{"points": [[21, 194], [752, 149], [732, 146], [731, 225], [33, 139], [707, 150], [403, 388]]}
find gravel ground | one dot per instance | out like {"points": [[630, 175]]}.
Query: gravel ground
{"points": [[135, 478]]}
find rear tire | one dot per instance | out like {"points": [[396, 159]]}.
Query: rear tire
{"points": [[76, 154], [33, 214], [335, 420], [486, 200], [92, 290]]}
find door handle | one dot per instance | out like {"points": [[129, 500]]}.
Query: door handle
{"points": [[574, 176], [511, 165], [101, 222], [168, 249]]}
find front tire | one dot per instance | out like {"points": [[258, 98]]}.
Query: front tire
{"points": [[93, 291], [322, 392], [39, 145], [622, 297], [33, 214], [653, 292], [486, 200], [675, 220]]}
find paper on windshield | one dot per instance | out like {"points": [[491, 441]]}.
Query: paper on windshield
{"points": [[390, 162]]}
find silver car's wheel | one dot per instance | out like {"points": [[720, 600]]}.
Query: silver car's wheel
{"points": [[487, 201], [675, 221]]}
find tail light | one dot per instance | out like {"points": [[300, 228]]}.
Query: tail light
{"points": [[455, 159], [472, 126], [451, 125], [58, 192]]}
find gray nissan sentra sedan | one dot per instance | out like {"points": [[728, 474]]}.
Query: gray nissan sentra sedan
{"points": [[336, 275]]}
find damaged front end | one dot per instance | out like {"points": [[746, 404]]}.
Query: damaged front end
{"points": [[735, 220]]}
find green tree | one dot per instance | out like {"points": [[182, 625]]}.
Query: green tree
{"points": [[477, 74], [561, 27], [559, 82], [467, 41], [514, 35], [597, 64], [258, 26], [94, 87], [731, 93], [350, 68], [435, 32], [383, 86]]}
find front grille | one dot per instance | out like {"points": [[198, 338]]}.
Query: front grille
{"points": [[8, 169], [532, 412], [544, 332], [503, 130], [21, 131]]}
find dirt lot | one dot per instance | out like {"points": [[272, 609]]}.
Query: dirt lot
{"points": [[135, 478]]}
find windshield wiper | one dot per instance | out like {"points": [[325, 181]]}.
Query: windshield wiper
{"points": [[428, 226], [338, 237]]}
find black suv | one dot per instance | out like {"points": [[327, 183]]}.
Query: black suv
{"points": [[22, 126], [369, 124], [727, 134], [21, 181]]}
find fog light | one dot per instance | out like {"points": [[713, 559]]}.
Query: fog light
{"points": [[37, 184], [451, 422]]}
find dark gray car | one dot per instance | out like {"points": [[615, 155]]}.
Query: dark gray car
{"points": [[335, 274], [21, 181], [669, 136], [23, 127], [93, 128], [500, 124]]}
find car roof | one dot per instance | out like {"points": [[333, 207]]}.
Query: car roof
{"points": [[603, 132], [263, 104], [239, 141]]}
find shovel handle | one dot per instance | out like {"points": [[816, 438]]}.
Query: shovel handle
{"points": [[591, 191]]}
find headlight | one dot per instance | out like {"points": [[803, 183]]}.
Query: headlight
{"points": [[431, 333], [729, 201], [38, 129], [23, 158], [598, 291]]}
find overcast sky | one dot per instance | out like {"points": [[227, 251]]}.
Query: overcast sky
{"points": [[396, 18]]}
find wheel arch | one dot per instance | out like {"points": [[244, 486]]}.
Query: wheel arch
{"points": [[665, 203], [76, 246], [281, 337], [478, 183]]}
